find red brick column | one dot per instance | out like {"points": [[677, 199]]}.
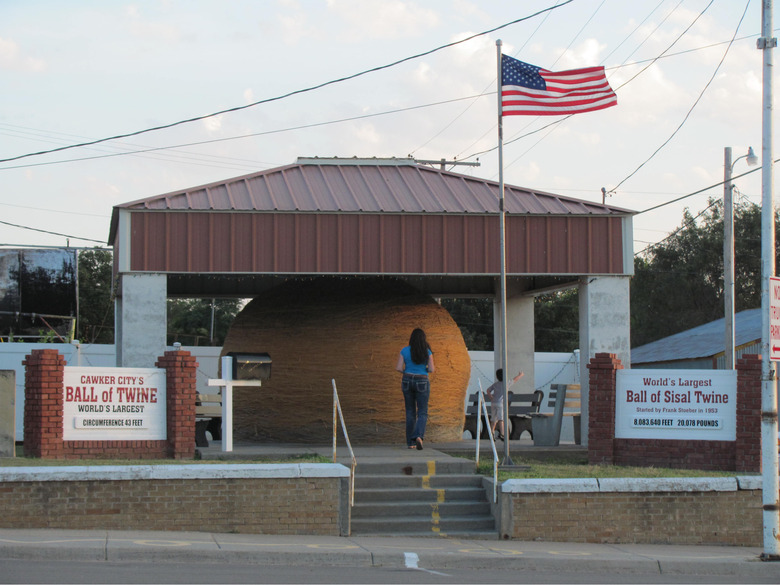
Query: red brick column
{"points": [[43, 403], [748, 448], [601, 408], [181, 369]]}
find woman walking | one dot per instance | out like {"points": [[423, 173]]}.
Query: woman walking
{"points": [[415, 363]]}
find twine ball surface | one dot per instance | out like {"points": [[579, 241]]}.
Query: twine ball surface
{"points": [[350, 330]]}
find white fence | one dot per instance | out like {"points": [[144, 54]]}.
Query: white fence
{"points": [[12, 355], [550, 368]]}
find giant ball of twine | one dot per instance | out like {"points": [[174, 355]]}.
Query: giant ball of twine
{"points": [[351, 331]]}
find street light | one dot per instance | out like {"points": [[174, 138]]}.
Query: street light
{"points": [[728, 248]]}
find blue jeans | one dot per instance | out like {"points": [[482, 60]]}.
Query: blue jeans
{"points": [[417, 390]]}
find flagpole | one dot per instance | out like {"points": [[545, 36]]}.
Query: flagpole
{"points": [[502, 244]]}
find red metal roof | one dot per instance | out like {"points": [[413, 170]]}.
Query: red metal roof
{"points": [[366, 186], [352, 216]]}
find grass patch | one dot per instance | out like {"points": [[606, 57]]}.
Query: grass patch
{"points": [[557, 468]]}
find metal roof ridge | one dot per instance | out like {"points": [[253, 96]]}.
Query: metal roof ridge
{"points": [[367, 161]]}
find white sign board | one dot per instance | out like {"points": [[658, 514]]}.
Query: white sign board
{"points": [[698, 405], [114, 404], [774, 318]]}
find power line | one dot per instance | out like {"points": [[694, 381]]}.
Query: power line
{"points": [[691, 195], [253, 134], [24, 227], [651, 61], [695, 103], [289, 94], [636, 28], [699, 191]]}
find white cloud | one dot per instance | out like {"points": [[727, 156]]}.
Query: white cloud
{"points": [[530, 172], [589, 138], [294, 23], [212, 124], [11, 58], [149, 29], [586, 54], [389, 19], [249, 96], [367, 134]]}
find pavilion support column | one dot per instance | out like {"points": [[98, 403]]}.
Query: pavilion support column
{"points": [[520, 338], [605, 327], [141, 324]]}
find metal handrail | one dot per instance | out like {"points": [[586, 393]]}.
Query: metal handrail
{"points": [[337, 412], [482, 409]]}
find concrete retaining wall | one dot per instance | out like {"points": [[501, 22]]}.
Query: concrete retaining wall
{"points": [[724, 511], [302, 499]]}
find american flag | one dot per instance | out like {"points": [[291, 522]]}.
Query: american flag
{"points": [[528, 90]]}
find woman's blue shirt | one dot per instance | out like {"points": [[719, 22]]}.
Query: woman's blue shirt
{"points": [[412, 368]]}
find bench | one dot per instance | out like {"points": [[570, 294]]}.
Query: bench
{"points": [[521, 407], [208, 417], [565, 400]]}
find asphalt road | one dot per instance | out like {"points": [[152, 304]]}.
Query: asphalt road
{"points": [[26, 571], [99, 556]]}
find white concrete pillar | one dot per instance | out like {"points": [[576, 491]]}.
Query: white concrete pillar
{"points": [[141, 323], [605, 326], [520, 339]]}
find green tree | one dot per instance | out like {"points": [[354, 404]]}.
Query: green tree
{"points": [[189, 320], [96, 296], [474, 317], [556, 321], [678, 283]]}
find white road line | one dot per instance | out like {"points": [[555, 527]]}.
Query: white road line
{"points": [[410, 561]]}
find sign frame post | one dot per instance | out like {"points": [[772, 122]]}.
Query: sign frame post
{"points": [[227, 383]]}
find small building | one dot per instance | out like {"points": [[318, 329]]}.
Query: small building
{"points": [[390, 218], [702, 347]]}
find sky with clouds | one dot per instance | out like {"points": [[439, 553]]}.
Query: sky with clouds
{"points": [[78, 71]]}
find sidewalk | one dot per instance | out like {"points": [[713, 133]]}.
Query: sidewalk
{"points": [[424, 553], [465, 448]]}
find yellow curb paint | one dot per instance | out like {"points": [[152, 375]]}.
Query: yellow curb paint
{"points": [[426, 480], [426, 484]]}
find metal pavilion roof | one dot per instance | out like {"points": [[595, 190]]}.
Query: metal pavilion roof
{"points": [[366, 217], [366, 186]]}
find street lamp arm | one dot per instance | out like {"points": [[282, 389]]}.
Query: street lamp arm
{"points": [[752, 159]]}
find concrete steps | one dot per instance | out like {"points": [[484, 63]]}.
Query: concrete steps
{"points": [[421, 498]]}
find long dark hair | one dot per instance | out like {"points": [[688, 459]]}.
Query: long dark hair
{"points": [[419, 346]]}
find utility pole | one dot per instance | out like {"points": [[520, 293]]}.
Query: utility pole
{"points": [[444, 162], [769, 455], [728, 259]]}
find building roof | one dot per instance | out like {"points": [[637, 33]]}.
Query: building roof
{"points": [[366, 186], [704, 341]]}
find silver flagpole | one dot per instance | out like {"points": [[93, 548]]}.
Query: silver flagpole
{"points": [[502, 232]]}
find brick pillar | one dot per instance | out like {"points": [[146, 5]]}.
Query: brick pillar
{"points": [[601, 408], [43, 404], [748, 448], [181, 368]]}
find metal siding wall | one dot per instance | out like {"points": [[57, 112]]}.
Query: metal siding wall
{"points": [[221, 230], [599, 249], [372, 243], [560, 244], [435, 247], [242, 242]]}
